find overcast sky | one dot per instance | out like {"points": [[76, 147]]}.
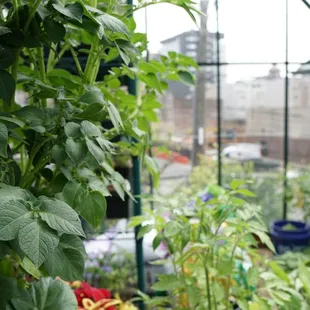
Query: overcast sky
{"points": [[254, 31]]}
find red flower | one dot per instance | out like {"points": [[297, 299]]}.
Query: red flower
{"points": [[95, 294]]}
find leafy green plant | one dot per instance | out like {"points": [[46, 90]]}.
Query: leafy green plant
{"points": [[285, 283], [208, 244], [55, 157]]}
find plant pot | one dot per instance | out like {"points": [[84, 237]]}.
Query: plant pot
{"points": [[116, 207], [296, 238]]}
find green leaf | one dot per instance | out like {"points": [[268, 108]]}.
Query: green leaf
{"points": [[4, 136], [225, 266], [30, 268], [186, 77], [144, 230], [74, 11], [114, 115], [95, 150], [47, 294], [172, 229], [236, 184], [6, 57], [119, 189], [13, 214], [8, 288], [71, 191], [90, 130], [113, 24], [252, 276], [4, 30], [60, 216], [4, 249], [37, 240], [7, 86], [12, 120], [245, 192], [8, 192], [73, 130], [91, 97], [157, 240], [304, 276], [76, 150], [152, 67], [167, 283], [151, 80], [92, 206], [70, 252], [55, 30], [94, 112], [243, 304], [279, 272], [59, 154], [265, 239]]}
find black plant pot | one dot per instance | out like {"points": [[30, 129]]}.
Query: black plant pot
{"points": [[116, 207]]}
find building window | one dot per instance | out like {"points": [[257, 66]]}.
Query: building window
{"points": [[192, 39], [191, 46]]}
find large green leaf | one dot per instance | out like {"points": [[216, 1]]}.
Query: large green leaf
{"points": [[92, 207], [37, 240], [90, 130], [73, 130], [8, 192], [6, 57], [13, 214], [8, 289], [71, 191], [91, 97], [7, 86], [60, 216], [113, 24], [47, 294], [76, 150], [186, 77], [4, 135], [70, 252], [95, 150], [114, 115], [94, 112], [55, 30], [74, 11]]}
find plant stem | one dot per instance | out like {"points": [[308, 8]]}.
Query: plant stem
{"points": [[77, 63], [205, 263], [31, 15], [41, 69], [51, 58], [60, 54]]}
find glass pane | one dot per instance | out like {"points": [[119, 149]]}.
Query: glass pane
{"points": [[298, 25], [252, 132], [254, 31], [299, 138]]}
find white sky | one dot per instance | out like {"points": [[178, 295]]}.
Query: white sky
{"points": [[254, 31]]}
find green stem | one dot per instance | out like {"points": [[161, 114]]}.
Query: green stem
{"points": [[60, 54], [205, 263], [33, 153], [31, 15], [77, 63], [51, 58], [15, 4], [41, 70]]}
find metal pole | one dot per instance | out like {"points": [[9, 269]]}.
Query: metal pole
{"points": [[219, 116], [286, 120], [136, 184], [199, 106]]}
